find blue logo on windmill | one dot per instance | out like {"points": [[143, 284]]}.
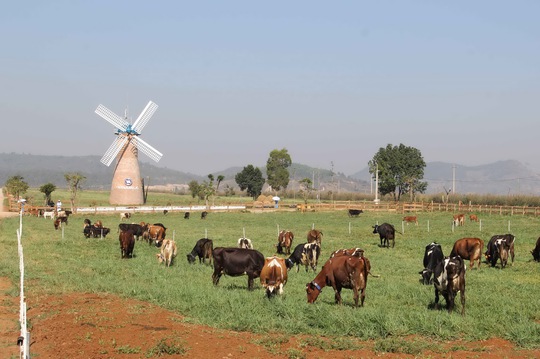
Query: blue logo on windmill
{"points": [[128, 182]]}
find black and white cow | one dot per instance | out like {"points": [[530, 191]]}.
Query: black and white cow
{"points": [[500, 246], [433, 255], [306, 254], [449, 279], [387, 233]]}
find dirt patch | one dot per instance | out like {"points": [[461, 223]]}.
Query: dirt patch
{"points": [[82, 325]]}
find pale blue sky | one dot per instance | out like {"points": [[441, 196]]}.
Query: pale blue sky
{"points": [[329, 81]]}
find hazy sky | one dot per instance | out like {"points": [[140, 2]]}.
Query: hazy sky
{"points": [[329, 81]]}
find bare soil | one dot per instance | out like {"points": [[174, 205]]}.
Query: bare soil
{"points": [[83, 325]]}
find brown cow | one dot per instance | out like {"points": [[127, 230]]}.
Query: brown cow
{"points": [[285, 240], [473, 218], [536, 251], [127, 243], [459, 219], [60, 220], [154, 233], [274, 275], [341, 272], [410, 219], [314, 236], [469, 248]]}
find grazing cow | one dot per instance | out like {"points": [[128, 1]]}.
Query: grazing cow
{"points": [[341, 272], [245, 243], [473, 218], [237, 262], [469, 248], [314, 236], [87, 223], [186, 215], [125, 215], [459, 219], [355, 252], [433, 255], [127, 243], [355, 212], [95, 232], [168, 252], [48, 214], [273, 276], [202, 249], [449, 279], [155, 233], [536, 251], [285, 240], [60, 220], [137, 229], [499, 247], [63, 213], [306, 254], [165, 212], [204, 214], [387, 233], [410, 219]]}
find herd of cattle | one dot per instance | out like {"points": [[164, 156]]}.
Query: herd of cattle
{"points": [[346, 268]]}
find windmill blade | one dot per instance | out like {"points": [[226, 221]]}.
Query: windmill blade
{"points": [[147, 149], [144, 117], [112, 118], [112, 152]]}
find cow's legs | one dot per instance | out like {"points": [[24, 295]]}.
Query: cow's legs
{"points": [[337, 293], [250, 281], [462, 297], [216, 275], [436, 298]]}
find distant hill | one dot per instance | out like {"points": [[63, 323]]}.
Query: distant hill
{"points": [[502, 177]]}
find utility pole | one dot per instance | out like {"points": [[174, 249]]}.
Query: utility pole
{"points": [[453, 179], [376, 183]]}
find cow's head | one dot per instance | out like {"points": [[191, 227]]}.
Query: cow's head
{"points": [[289, 263], [191, 258], [158, 242], [375, 229], [313, 290], [426, 276]]}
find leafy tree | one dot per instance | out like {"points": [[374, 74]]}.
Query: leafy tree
{"points": [[401, 169], [207, 189], [47, 189], [220, 178], [194, 188], [74, 182], [16, 186], [250, 179], [307, 187], [277, 169]]}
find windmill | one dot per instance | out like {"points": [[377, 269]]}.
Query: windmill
{"points": [[127, 186]]}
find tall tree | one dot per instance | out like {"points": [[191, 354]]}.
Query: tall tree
{"points": [[250, 179], [47, 189], [16, 186], [277, 169], [74, 182], [307, 187], [401, 169], [220, 178], [194, 188]]}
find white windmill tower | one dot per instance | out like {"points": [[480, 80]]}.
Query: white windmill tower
{"points": [[127, 186]]}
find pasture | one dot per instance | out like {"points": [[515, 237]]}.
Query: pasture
{"points": [[500, 303]]}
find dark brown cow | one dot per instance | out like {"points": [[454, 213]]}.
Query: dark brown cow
{"points": [[500, 246], [202, 249], [236, 262], [314, 236], [469, 248], [536, 251], [355, 212], [127, 243], [341, 272], [274, 276], [285, 240], [58, 221]]}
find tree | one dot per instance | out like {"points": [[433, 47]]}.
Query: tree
{"points": [[47, 189], [277, 169], [207, 188], [16, 186], [194, 188], [74, 182], [307, 187], [250, 179], [220, 178], [401, 169]]}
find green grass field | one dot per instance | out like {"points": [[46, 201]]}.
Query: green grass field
{"points": [[500, 303]]}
